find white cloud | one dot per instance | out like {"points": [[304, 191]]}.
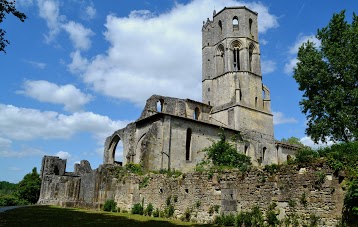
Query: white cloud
{"points": [[5, 143], [90, 12], [63, 155], [79, 35], [20, 154], [45, 91], [263, 42], [288, 68], [309, 142], [268, 66], [78, 63], [151, 53], [49, 10], [293, 50], [280, 118], [301, 39], [36, 64], [27, 124]]}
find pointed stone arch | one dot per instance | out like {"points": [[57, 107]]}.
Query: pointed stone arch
{"points": [[236, 49], [111, 151], [220, 59]]}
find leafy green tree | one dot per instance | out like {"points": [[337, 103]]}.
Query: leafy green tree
{"points": [[29, 187], [328, 75], [292, 140], [7, 188], [7, 7]]}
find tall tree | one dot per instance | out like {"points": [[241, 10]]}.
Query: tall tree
{"points": [[7, 7], [29, 188], [328, 75]]}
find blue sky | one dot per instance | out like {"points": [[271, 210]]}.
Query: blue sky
{"points": [[75, 70]]}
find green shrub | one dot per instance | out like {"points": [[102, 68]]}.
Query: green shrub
{"points": [[321, 177], [225, 220], [351, 203], [137, 209], [271, 218], [11, 200], [144, 182], [304, 156], [303, 199], [156, 213], [110, 205], [134, 168], [273, 168], [197, 203], [149, 210], [168, 202], [169, 211], [292, 203], [222, 153], [187, 214]]}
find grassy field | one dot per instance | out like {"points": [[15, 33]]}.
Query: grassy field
{"points": [[58, 216]]}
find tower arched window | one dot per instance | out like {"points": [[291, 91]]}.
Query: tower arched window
{"points": [[251, 51], [236, 55], [263, 153], [187, 144], [220, 26], [250, 26], [235, 23], [220, 60]]}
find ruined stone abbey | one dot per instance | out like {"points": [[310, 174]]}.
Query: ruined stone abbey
{"points": [[234, 98], [171, 132]]}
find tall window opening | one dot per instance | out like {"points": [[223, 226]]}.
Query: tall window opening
{"points": [[220, 26], [246, 150], [236, 59], [263, 153], [160, 105], [250, 26], [255, 101], [220, 60], [187, 145], [196, 113], [236, 46], [235, 23], [251, 50]]}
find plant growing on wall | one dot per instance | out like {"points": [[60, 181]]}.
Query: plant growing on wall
{"points": [[223, 154]]}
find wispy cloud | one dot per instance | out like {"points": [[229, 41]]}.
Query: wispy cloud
{"points": [[280, 118], [293, 50], [36, 64]]}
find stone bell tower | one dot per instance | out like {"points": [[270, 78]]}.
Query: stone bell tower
{"points": [[232, 79]]}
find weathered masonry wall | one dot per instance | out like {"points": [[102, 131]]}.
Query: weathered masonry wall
{"points": [[232, 191]]}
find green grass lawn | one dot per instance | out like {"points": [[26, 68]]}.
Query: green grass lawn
{"points": [[58, 216]]}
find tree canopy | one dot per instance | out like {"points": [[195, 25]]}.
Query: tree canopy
{"points": [[29, 188], [328, 76], [7, 7], [292, 140]]}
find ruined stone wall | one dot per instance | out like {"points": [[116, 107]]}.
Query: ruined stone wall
{"points": [[313, 190]]}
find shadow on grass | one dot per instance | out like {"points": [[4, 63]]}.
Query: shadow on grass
{"points": [[58, 216]]}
